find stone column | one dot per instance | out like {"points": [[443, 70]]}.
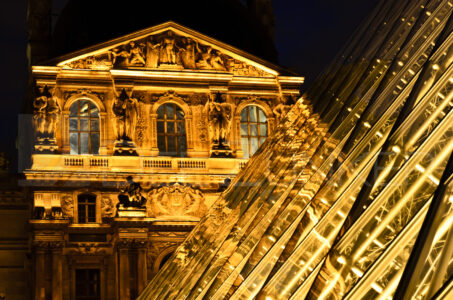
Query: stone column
{"points": [[124, 273], [57, 274], [141, 269], [40, 291]]}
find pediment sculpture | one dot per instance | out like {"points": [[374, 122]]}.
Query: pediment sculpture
{"points": [[165, 50], [176, 200]]}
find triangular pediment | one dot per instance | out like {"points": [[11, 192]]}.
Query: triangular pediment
{"points": [[169, 46]]}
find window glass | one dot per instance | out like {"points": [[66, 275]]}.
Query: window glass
{"points": [[88, 284], [86, 207], [171, 130], [253, 129], [84, 135]]}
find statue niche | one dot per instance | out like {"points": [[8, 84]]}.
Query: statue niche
{"points": [[45, 118], [125, 110], [219, 123]]}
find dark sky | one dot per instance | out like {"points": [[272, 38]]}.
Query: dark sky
{"points": [[308, 35]]}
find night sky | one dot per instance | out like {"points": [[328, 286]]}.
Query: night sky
{"points": [[308, 35]]}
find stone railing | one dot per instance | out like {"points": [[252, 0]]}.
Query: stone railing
{"points": [[97, 163]]}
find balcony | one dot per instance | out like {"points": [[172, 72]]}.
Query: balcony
{"points": [[83, 165]]}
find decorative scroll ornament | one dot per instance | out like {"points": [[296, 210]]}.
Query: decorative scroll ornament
{"points": [[176, 201], [166, 50]]}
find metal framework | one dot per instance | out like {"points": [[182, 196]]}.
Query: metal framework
{"points": [[353, 191]]}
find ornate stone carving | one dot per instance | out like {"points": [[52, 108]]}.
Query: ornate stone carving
{"points": [[131, 195], [176, 200], [125, 110], [283, 107], [87, 249], [107, 207], [45, 117], [83, 92], [219, 121], [167, 50], [67, 206]]}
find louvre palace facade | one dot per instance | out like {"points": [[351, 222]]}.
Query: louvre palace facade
{"points": [[167, 162]]}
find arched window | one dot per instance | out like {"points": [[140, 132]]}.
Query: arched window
{"points": [[86, 208], [253, 129], [171, 130], [84, 128]]}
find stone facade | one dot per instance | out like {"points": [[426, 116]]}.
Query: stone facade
{"points": [[178, 112]]}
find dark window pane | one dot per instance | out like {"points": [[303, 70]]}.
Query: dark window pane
{"points": [[161, 143], [84, 149], [170, 111], [160, 127], [82, 213], [181, 128], [95, 143], [84, 124], [160, 112], [94, 113], [182, 148], [84, 107], [73, 124], [179, 113], [74, 143], [261, 115], [253, 130], [263, 130], [91, 213], [244, 115], [170, 127], [74, 110], [171, 144], [94, 125], [88, 284]]}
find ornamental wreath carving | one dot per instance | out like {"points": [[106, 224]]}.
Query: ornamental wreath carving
{"points": [[176, 200]]}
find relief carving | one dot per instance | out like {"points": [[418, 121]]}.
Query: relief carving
{"points": [[176, 200], [67, 206], [107, 207], [166, 50], [87, 249]]}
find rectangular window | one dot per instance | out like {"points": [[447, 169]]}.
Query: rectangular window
{"points": [[86, 206], [88, 284]]}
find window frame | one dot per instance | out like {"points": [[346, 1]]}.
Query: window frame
{"points": [[89, 131], [99, 283], [166, 134], [87, 204], [248, 123]]}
